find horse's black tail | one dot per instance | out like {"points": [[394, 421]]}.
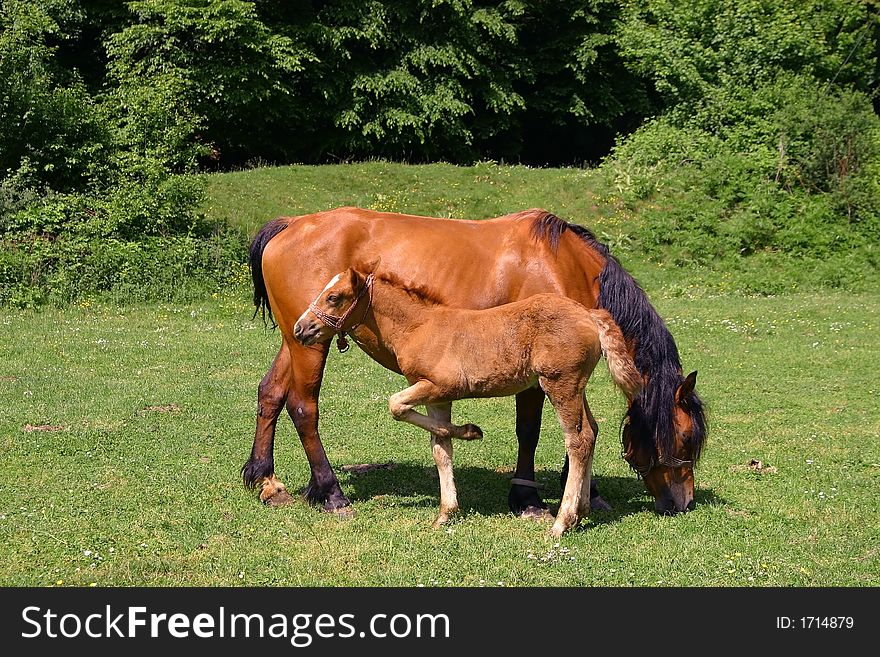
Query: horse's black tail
{"points": [[255, 259]]}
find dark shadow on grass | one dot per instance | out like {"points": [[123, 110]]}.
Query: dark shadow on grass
{"points": [[484, 491]]}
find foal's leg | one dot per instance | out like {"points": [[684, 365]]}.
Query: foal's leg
{"points": [[259, 471], [597, 503], [579, 443], [524, 500], [424, 392], [442, 451]]}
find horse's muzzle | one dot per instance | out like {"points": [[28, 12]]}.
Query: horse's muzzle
{"points": [[668, 507]]}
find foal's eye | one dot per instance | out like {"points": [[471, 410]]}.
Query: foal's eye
{"points": [[332, 298]]}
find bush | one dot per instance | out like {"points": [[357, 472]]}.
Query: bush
{"points": [[785, 170], [36, 270], [52, 133]]}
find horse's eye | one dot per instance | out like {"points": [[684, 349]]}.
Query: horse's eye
{"points": [[332, 298]]}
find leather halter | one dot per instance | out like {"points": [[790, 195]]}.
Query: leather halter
{"points": [[337, 322], [669, 461]]}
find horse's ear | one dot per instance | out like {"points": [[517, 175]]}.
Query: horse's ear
{"points": [[687, 387]]}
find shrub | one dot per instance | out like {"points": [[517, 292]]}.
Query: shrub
{"points": [[36, 269], [787, 169]]}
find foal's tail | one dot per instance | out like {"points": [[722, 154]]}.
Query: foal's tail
{"points": [[620, 363]]}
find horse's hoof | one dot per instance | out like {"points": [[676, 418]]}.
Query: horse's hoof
{"points": [[524, 501], [279, 498], [536, 513], [598, 504], [471, 432]]}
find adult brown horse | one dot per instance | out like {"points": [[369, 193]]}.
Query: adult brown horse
{"points": [[471, 264]]}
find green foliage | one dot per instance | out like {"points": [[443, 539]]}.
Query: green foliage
{"points": [[689, 50], [412, 79], [763, 147], [51, 131], [210, 71], [785, 170], [36, 269]]}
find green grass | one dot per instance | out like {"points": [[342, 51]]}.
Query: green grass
{"points": [[150, 410]]}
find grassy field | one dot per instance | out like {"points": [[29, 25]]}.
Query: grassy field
{"points": [[123, 431]]}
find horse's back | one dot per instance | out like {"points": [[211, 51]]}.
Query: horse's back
{"points": [[468, 263]]}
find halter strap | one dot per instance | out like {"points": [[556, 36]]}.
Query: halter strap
{"points": [[516, 481], [337, 322], [670, 461]]}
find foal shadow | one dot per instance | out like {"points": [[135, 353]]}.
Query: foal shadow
{"points": [[484, 491], [480, 490]]}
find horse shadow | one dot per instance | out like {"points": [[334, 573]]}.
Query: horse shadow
{"points": [[484, 491]]}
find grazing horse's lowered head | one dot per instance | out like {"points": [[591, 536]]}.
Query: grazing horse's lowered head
{"points": [[664, 452]]}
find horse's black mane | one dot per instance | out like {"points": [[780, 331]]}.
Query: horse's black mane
{"points": [[656, 355]]}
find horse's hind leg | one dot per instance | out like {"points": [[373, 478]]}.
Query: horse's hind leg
{"points": [[442, 451], [523, 500], [259, 471], [597, 503]]}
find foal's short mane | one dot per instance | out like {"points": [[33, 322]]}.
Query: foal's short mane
{"points": [[656, 355], [419, 292]]}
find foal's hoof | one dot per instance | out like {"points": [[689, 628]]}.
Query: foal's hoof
{"points": [[471, 432], [279, 498], [598, 504], [557, 530]]}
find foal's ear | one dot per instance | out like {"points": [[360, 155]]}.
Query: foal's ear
{"points": [[687, 387], [371, 266]]}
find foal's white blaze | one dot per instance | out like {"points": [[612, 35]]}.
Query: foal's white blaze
{"points": [[333, 281]]}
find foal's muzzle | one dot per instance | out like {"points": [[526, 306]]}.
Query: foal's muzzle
{"points": [[307, 334]]}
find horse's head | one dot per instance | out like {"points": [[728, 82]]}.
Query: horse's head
{"points": [[333, 310], [663, 453]]}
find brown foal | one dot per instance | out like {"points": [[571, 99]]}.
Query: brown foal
{"points": [[448, 354]]}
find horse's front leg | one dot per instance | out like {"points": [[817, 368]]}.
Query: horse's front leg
{"points": [[442, 432], [306, 374], [523, 498], [259, 471], [441, 448]]}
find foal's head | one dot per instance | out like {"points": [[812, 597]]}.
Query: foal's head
{"points": [[340, 307], [664, 455]]}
